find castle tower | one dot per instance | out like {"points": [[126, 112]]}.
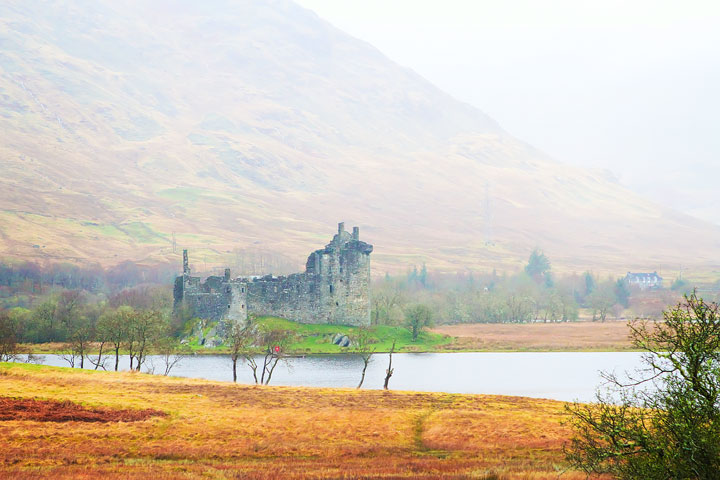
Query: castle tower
{"points": [[335, 288]]}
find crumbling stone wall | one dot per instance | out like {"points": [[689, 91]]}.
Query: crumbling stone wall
{"points": [[334, 289], [217, 298]]}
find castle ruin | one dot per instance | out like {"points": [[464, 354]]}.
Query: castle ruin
{"points": [[334, 289]]}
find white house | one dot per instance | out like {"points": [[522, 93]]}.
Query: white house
{"points": [[644, 280]]}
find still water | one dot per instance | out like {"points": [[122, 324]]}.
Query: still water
{"points": [[555, 375]]}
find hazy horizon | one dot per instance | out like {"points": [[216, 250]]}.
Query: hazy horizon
{"points": [[627, 87]]}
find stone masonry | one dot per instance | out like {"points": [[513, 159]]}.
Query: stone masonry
{"points": [[334, 289]]}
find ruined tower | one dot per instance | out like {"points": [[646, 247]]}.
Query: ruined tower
{"points": [[334, 289], [218, 298]]}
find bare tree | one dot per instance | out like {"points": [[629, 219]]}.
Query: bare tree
{"points": [[69, 355], [250, 359], [519, 307], [171, 354], [601, 301], [385, 296], [364, 349], [131, 338], [113, 328], [389, 372], [147, 328], [81, 335], [90, 319], [101, 360], [275, 342], [240, 340]]}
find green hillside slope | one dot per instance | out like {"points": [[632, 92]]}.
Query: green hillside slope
{"points": [[255, 124]]}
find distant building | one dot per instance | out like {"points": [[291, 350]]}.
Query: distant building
{"points": [[644, 281]]}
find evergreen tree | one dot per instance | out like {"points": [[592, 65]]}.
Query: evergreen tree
{"points": [[538, 264]]}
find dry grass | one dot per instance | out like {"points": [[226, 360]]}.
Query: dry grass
{"points": [[217, 430], [66, 411], [573, 336]]}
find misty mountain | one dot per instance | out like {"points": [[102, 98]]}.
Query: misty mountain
{"points": [[236, 124]]}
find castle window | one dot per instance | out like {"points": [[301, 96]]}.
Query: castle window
{"points": [[228, 307], [242, 290], [337, 304], [331, 289], [242, 306]]}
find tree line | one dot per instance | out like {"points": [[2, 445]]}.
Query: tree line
{"points": [[420, 298], [21, 282], [92, 331], [534, 294]]}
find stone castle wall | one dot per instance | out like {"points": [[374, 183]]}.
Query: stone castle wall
{"points": [[334, 289]]}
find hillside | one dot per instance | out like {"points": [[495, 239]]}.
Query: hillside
{"points": [[255, 124]]}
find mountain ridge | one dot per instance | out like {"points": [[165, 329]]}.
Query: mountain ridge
{"points": [[239, 124]]}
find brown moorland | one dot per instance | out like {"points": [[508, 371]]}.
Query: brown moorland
{"points": [[570, 336], [66, 411], [219, 430]]}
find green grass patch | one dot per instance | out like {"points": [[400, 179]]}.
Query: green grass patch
{"points": [[103, 229], [4, 366], [141, 232], [312, 338]]}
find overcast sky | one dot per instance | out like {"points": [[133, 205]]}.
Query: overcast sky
{"points": [[632, 85]]}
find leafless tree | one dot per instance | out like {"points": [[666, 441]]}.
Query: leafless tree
{"points": [[113, 328], [275, 343], [390, 370], [601, 301], [101, 360], [69, 355], [79, 342], [170, 354], [385, 296], [364, 349], [240, 339], [147, 328]]}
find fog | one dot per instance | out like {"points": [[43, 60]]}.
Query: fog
{"points": [[627, 86]]}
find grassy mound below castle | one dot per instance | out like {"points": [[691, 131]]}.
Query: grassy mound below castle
{"points": [[318, 339]]}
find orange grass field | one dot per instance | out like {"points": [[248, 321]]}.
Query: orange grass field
{"points": [[219, 430]]}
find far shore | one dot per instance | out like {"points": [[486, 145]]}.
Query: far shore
{"points": [[582, 336]]}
